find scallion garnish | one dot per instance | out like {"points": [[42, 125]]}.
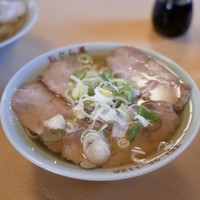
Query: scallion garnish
{"points": [[84, 58], [106, 75], [111, 99], [135, 130], [148, 114], [53, 136]]}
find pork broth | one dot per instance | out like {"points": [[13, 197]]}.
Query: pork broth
{"points": [[92, 138], [12, 18]]}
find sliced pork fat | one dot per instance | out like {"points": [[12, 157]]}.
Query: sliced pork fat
{"points": [[34, 103], [155, 81], [57, 76]]}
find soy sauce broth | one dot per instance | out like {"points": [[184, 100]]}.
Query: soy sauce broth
{"points": [[8, 30], [185, 116]]}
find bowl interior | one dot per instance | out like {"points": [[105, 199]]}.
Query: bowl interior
{"points": [[33, 14], [47, 160]]}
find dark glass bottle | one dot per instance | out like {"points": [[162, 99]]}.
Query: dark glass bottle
{"points": [[172, 17]]}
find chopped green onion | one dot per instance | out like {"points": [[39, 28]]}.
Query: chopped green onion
{"points": [[110, 88], [79, 91], [148, 114], [135, 130], [103, 95], [53, 136], [128, 92], [105, 92], [82, 71], [106, 75], [95, 146], [123, 143], [124, 109], [118, 82], [91, 74], [119, 100], [84, 58], [120, 130]]}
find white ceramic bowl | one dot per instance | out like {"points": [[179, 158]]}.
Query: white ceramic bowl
{"points": [[29, 149], [33, 13]]}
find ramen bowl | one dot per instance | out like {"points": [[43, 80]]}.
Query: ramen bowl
{"points": [[41, 157], [30, 20]]}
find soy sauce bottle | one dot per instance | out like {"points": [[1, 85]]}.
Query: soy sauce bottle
{"points": [[172, 17]]}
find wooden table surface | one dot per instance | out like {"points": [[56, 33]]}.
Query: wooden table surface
{"points": [[64, 22]]}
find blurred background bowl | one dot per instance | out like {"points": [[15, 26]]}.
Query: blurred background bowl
{"points": [[32, 16], [48, 161]]}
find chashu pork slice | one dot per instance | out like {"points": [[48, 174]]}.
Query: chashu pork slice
{"points": [[34, 103], [155, 81], [57, 76]]}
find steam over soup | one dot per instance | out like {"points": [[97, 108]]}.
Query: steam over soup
{"points": [[104, 111]]}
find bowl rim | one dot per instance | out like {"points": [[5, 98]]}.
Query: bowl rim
{"points": [[92, 175], [33, 10]]}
